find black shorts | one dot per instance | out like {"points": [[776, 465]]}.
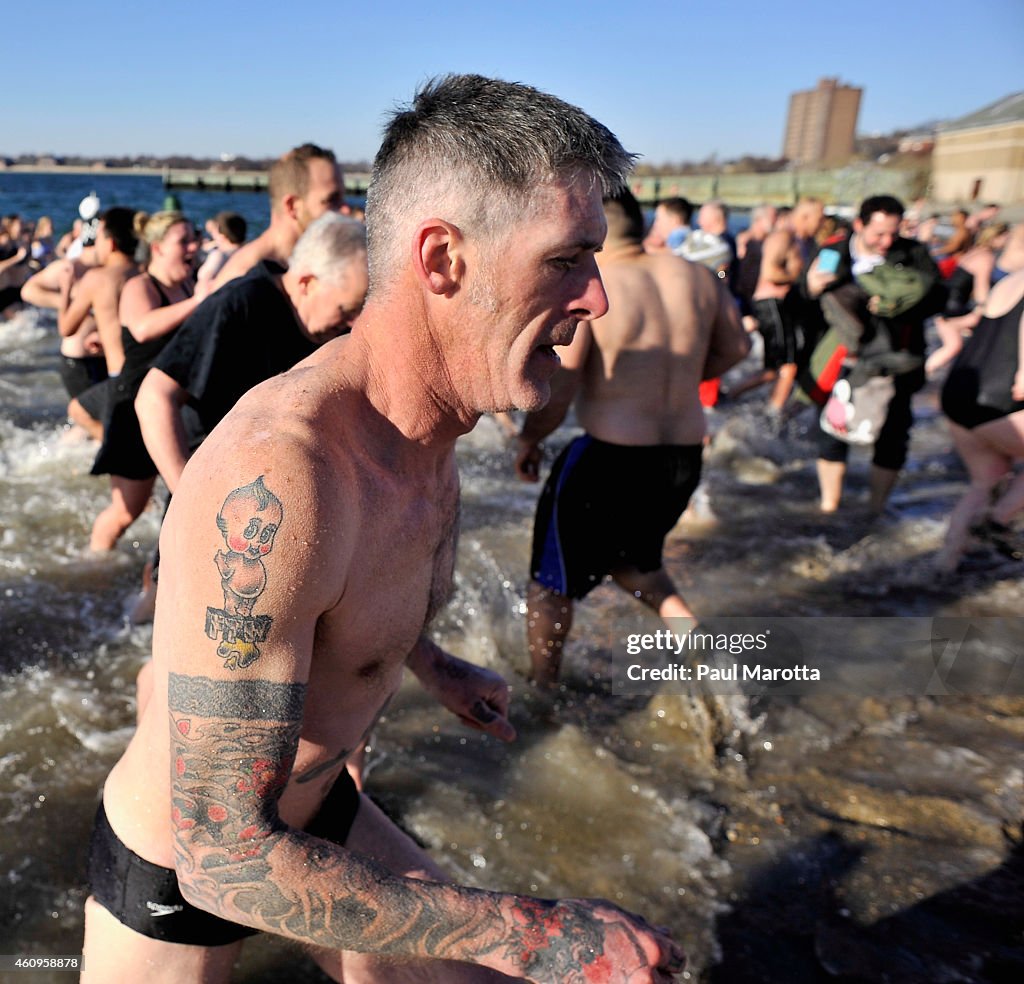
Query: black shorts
{"points": [[9, 296], [123, 451], [145, 897], [608, 507], [94, 399], [779, 329], [78, 375]]}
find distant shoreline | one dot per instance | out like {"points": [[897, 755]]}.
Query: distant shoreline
{"points": [[145, 172], [197, 178], [156, 172]]}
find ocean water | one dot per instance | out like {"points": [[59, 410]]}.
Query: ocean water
{"points": [[58, 195], [783, 839]]}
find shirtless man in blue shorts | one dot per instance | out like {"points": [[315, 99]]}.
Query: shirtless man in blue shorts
{"points": [[615, 492]]}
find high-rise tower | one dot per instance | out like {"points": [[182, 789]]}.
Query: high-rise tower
{"points": [[822, 123]]}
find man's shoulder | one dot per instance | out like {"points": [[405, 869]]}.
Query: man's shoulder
{"points": [[296, 444], [93, 278], [234, 300], [633, 272], [243, 259], [674, 267], [258, 282]]}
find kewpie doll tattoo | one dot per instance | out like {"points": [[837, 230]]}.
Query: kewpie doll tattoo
{"points": [[248, 520]]}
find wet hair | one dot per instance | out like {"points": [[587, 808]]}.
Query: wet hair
{"points": [[475, 151], [886, 204], [328, 246], [289, 174], [681, 208], [624, 215], [990, 233], [152, 228], [827, 229], [232, 227], [718, 206], [120, 226]]}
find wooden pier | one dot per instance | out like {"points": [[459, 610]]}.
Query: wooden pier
{"points": [[175, 178]]}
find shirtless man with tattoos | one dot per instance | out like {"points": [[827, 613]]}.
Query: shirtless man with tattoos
{"points": [[307, 548]]}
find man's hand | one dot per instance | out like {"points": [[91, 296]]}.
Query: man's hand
{"points": [[818, 281], [528, 460], [584, 941], [477, 696]]}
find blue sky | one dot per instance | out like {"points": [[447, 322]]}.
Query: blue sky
{"points": [[675, 81]]}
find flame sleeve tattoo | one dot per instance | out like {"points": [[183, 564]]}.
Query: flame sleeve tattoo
{"points": [[233, 744]]}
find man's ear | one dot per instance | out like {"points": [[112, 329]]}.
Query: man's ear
{"points": [[289, 205], [306, 283], [437, 256]]}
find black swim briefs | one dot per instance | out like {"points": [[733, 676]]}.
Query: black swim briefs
{"points": [[607, 507], [145, 897]]}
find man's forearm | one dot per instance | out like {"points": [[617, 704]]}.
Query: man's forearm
{"points": [[317, 893], [232, 748], [423, 657]]}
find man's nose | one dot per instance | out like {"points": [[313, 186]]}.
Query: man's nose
{"points": [[593, 302]]}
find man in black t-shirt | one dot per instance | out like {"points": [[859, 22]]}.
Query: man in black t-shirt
{"points": [[248, 331]]}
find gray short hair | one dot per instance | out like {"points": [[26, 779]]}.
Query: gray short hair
{"points": [[328, 246], [479, 149]]}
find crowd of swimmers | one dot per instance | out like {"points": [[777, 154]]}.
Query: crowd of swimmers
{"points": [[122, 282], [952, 263]]}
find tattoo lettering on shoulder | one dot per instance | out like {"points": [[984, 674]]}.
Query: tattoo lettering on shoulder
{"points": [[248, 521]]}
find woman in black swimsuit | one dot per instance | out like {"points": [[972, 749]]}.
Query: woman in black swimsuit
{"points": [[152, 307], [984, 400], [976, 274]]}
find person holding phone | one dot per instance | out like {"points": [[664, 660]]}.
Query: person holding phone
{"points": [[876, 241]]}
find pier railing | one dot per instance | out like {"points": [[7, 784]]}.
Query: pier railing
{"points": [[199, 180]]}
